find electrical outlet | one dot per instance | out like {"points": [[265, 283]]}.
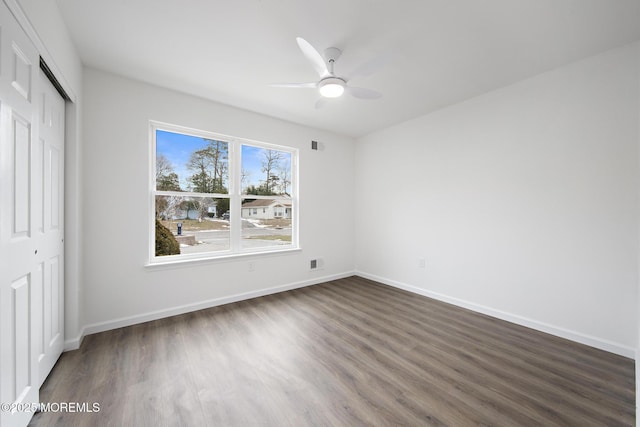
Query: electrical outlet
{"points": [[422, 263], [251, 266]]}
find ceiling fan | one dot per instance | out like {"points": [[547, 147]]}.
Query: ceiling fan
{"points": [[330, 85]]}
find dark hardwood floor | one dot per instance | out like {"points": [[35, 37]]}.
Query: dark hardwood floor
{"points": [[345, 353]]}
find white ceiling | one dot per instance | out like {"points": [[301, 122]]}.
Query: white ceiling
{"points": [[434, 52]]}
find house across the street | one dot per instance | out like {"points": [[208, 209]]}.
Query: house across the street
{"points": [[266, 209]]}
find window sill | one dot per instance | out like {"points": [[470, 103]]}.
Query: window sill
{"points": [[180, 262]]}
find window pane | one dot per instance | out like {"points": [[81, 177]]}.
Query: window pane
{"points": [[191, 189], [199, 224], [191, 163], [266, 222], [265, 171]]}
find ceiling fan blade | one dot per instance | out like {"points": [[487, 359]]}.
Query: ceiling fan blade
{"points": [[312, 55], [295, 85], [362, 93]]}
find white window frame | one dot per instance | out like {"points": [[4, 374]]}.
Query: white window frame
{"points": [[235, 196]]}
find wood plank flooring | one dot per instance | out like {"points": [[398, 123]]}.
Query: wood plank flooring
{"points": [[349, 352]]}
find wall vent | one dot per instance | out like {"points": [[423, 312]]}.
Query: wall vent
{"points": [[316, 264]]}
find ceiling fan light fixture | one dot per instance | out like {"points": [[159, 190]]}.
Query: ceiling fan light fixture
{"points": [[331, 87]]}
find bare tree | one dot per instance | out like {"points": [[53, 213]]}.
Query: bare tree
{"points": [[244, 177], [270, 164], [284, 173], [166, 178], [166, 207], [163, 166], [218, 151]]}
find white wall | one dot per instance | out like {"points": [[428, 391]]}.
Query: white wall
{"points": [[58, 49], [638, 300], [523, 202], [118, 288]]}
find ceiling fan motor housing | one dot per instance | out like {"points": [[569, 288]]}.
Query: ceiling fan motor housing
{"points": [[331, 87]]}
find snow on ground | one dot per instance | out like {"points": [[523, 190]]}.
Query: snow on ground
{"points": [[255, 223]]}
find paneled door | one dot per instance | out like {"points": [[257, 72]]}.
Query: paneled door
{"points": [[31, 224], [48, 175]]}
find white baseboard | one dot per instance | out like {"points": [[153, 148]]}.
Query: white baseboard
{"points": [[578, 337], [637, 386], [74, 343], [612, 347]]}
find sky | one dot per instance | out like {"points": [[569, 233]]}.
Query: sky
{"points": [[177, 148]]}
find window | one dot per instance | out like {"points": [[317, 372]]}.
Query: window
{"points": [[215, 195]]}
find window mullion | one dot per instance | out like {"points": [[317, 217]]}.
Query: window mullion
{"points": [[234, 191]]}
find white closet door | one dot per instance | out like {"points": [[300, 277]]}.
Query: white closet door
{"points": [[31, 224], [49, 205]]}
